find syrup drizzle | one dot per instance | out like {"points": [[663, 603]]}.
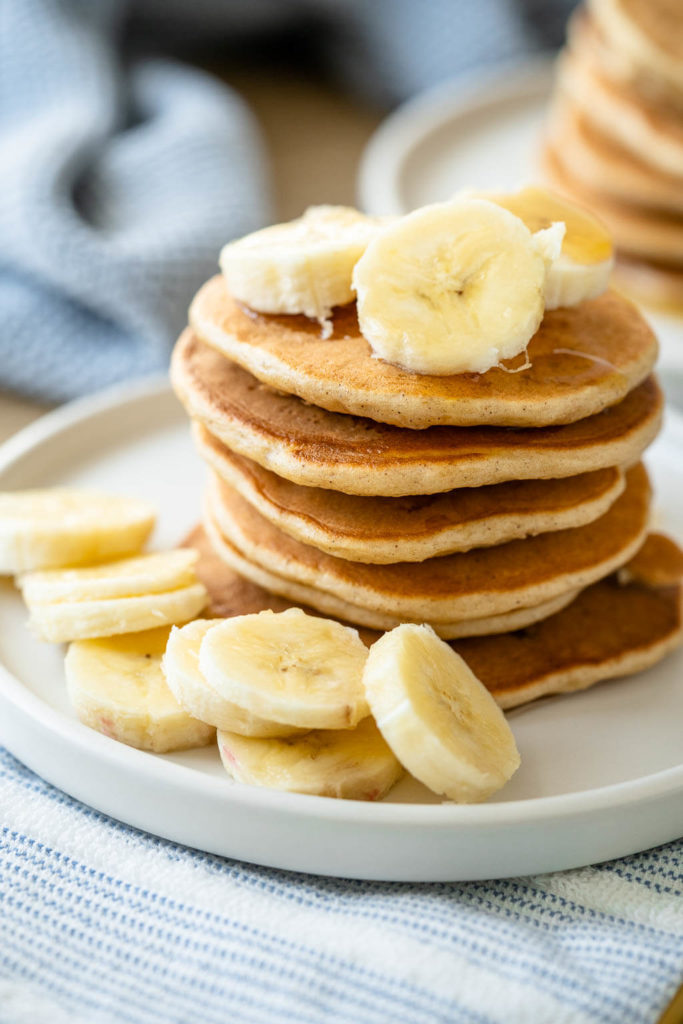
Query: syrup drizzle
{"points": [[586, 355]]}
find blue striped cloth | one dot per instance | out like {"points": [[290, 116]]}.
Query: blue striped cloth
{"points": [[102, 924]]}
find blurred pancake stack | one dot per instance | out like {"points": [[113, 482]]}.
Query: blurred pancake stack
{"points": [[615, 136], [509, 510]]}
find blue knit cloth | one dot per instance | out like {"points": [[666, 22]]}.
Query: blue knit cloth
{"points": [[116, 193], [122, 173]]}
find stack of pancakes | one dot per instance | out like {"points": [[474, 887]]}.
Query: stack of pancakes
{"points": [[615, 135], [498, 507]]}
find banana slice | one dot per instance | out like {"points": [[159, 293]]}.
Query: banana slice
{"points": [[452, 288], [117, 687], [440, 721], [126, 596], [288, 667], [352, 764], [146, 574], [303, 266], [46, 529], [583, 267], [61, 621], [180, 666]]}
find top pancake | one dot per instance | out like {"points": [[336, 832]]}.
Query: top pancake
{"points": [[583, 359]]}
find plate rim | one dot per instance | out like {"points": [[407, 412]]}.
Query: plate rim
{"points": [[661, 784], [377, 179]]}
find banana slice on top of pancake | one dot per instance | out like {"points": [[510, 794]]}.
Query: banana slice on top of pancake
{"points": [[454, 287], [583, 267], [451, 288], [303, 266]]}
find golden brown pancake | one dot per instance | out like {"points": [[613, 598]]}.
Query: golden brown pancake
{"points": [[656, 284], [311, 446], [586, 36], [410, 529], [651, 131], [583, 359], [597, 161], [648, 32], [231, 594], [658, 563], [637, 231], [609, 630], [474, 584], [325, 603]]}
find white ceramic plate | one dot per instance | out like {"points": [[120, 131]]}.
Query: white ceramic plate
{"points": [[477, 132], [601, 775]]}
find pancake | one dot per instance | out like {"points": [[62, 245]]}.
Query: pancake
{"points": [[646, 234], [658, 563], [655, 284], [324, 603], [474, 584], [605, 165], [232, 594], [379, 530], [650, 130], [586, 36], [609, 630], [583, 359], [317, 448], [648, 32]]}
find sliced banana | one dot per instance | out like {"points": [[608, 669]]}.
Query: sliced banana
{"points": [[146, 574], [303, 266], [117, 687], [440, 721], [454, 287], [180, 666], [125, 596], [585, 262], [288, 667], [352, 764], [52, 528], [61, 621]]}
